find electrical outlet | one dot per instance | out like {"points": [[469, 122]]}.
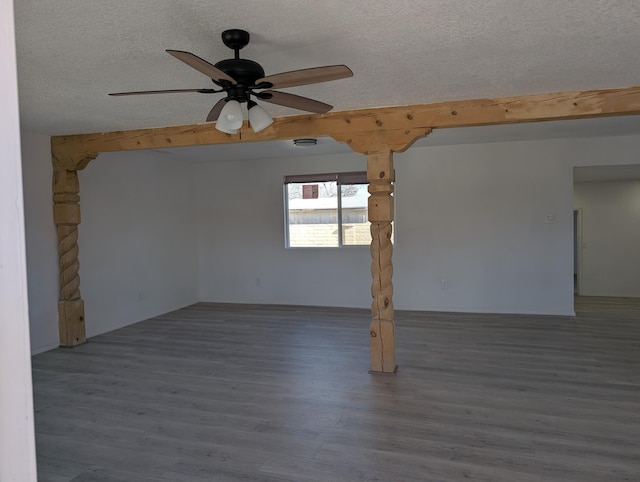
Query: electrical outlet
{"points": [[444, 284]]}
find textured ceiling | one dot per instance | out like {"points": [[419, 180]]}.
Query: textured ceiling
{"points": [[71, 53]]}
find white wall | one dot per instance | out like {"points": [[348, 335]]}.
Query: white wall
{"points": [[601, 151], [474, 215], [17, 444], [610, 237], [137, 240], [471, 214], [242, 256], [41, 242]]}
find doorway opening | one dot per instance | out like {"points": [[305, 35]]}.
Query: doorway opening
{"points": [[577, 251]]}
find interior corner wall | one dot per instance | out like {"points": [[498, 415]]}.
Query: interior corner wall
{"points": [[610, 237], [41, 242], [137, 240]]}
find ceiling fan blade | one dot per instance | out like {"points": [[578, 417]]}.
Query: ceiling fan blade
{"points": [[215, 111], [171, 91], [307, 76], [201, 65], [294, 101]]}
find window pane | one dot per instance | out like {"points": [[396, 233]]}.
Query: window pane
{"points": [[356, 228], [313, 214]]}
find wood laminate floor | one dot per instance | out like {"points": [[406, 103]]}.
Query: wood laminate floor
{"points": [[254, 393], [609, 304]]}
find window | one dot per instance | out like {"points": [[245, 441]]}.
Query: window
{"points": [[327, 210]]}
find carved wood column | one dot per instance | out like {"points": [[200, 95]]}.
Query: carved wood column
{"points": [[66, 216], [379, 146], [380, 174]]}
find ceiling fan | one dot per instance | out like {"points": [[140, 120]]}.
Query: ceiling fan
{"points": [[240, 79]]}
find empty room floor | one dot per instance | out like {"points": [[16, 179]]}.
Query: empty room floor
{"points": [[269, 393]]}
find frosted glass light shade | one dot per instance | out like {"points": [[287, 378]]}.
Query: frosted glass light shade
{"points": [[222, 127], [259, 118], [230, 118]]}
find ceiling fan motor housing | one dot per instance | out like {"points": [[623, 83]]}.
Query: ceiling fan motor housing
{"points": [[245, 72]]}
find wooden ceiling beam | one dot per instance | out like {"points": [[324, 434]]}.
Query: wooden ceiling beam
{"points": [[357, 123]]}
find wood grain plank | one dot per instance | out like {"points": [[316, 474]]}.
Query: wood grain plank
{"points": [[365, 123]]}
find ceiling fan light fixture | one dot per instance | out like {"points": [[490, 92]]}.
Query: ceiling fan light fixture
{"points": [[230, 117], [258, 117], [222, 127]]}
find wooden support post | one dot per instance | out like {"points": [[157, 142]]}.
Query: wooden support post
{"points": [[380, 174], [66, 215]]}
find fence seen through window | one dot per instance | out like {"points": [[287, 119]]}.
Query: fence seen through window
{"points": [[324, 210]]}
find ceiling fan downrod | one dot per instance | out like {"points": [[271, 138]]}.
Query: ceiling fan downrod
{"points": [[245, 72]]}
